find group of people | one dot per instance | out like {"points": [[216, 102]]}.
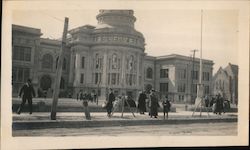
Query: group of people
{"points": [[92, 97], [218, 103], [146, 103], [150, 103]]}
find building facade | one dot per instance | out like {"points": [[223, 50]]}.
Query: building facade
{"points": [[177, 76], [225, 82], [109, 55]]}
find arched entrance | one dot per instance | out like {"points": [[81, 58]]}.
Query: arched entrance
{"points": [[45, 82]]}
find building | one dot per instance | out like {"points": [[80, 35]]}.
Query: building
{"points": [[177, 76], [109, 55], [225, 82]]}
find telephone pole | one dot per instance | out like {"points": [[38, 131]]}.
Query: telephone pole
{"points": [[59, 71]]}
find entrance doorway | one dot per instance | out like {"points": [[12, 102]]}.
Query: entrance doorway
{"points": [[45, 82]]}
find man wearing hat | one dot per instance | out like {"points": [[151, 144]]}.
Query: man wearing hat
{"points": [[27, 92]]}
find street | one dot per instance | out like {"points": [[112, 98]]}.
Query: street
{"points": [[201, 129]]}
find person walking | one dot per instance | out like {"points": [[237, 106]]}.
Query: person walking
{"points": [[166, 107], [111, 99], [27, 92], [142, 102], [153, 103], [84, 98]]}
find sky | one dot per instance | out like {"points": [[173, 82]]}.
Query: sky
{"points": [[166, 31]]}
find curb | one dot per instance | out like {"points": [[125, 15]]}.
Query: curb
{"points": [[109, 123]]}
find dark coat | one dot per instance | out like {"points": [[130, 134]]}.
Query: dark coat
{"points": [[27, 91], [111, 98], [153, 105], [142, 102], [166, 106]]}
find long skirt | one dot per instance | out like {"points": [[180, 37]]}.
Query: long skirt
{"points": [[154, 110]]}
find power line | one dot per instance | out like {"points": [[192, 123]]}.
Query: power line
{"points": [[52, 16]]}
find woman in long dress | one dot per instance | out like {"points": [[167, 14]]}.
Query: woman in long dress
{"points": [[153, 104]]}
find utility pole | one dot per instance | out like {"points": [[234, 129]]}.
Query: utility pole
{"points": [[59, 71], [200, 88], [192, 74]]}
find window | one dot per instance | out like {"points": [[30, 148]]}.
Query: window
{"points": [[149, 73], [98, 61], [47, 61], [130, 63], [181, 97], [22, 53], [194, 88], [96, 78], [83, 62], [206, 89], [195, 75], [20, 74], [82, 78], [205, 76], [181, 87], [113, 78], [164, 73], [114, 61], [182, 74], [163, 87]]}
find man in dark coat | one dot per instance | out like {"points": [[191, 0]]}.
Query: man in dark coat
{"points": [[27, 92], [111, 99], [153, 104], [166, 107], [142, 102]]}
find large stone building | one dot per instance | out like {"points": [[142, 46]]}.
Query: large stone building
{"points": [[225, 82], [109, 55]]}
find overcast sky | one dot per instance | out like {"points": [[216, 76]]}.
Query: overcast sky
{"points": [[165, 31]]}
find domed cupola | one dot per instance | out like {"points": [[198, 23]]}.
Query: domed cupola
{"points": [[116, 18]]}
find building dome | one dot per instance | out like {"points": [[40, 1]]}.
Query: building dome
{"points": [[118, 18], [116, 27]]}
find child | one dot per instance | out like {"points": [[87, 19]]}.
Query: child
{"points": [[166, 107]]}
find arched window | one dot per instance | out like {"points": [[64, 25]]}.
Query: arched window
{"points": [[149, 73], [47, 61], [45, 82], [64, 63], [62, 83]]}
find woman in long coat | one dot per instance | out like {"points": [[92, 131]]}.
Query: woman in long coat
{"points": [[153, 104], [142, 102]]}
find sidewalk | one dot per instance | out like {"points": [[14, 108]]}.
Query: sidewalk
{"points": [[40, 120]]}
